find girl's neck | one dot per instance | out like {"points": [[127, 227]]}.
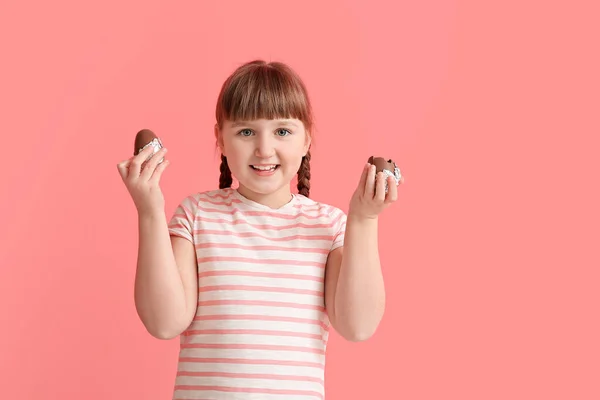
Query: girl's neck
{"points": [[273, 200]]}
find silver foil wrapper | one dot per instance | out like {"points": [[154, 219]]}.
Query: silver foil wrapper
{"points": [[396, 175], [156, 144]]}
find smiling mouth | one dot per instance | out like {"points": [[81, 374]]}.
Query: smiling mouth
{"points": [[271, 167]]}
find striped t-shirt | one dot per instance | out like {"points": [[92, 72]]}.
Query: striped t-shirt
{"points": [[261, 327]]}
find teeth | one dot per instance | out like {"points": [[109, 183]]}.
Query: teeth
{"points": [[264, 167]]}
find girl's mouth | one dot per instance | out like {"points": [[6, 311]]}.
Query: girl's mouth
{"points": [[270, 167], [265, 169]]}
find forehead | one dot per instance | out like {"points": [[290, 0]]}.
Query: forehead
{"points": [[266, 123]]}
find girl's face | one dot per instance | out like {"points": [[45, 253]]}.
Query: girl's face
{"points": [[264, 156]]}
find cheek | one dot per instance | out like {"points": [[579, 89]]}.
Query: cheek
{"points": [[293, 162], [235, 159]]}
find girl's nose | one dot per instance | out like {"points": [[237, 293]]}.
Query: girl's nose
{"points": [[265, 147]]}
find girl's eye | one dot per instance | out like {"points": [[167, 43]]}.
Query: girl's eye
{"points": [[245, 132], [283, 132]]}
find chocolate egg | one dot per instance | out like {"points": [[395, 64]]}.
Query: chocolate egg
{"points": [[388, 167], [146, 138]]}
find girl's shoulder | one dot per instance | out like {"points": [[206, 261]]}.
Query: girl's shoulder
{"points": [[208, 196], [310, 202], [322, 208], [207, 199]]}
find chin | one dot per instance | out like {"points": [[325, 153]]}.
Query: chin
{"points": [[264, 188]]}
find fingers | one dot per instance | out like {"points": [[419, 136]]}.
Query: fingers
{"points": [[142, 165], [363, 177], [135, 165], [150, 166], [370, 183], [158, 171], [380, 187], [392, 190]]}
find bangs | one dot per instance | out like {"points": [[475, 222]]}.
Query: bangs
{"points": [[259, 90]]}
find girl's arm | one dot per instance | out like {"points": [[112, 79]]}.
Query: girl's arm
{"points": [[354, 288], [355, 292], [166, 282]]}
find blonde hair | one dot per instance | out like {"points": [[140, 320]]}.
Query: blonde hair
{"points": [[271, 90]]}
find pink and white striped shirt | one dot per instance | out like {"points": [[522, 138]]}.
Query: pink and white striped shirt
{"points": [[261, 328]]}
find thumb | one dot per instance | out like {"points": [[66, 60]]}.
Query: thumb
{"points": [[123, 168]]}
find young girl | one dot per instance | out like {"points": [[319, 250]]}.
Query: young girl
{"points": [[253, 277]]}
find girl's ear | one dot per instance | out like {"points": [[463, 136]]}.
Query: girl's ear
{"points": [[219, 139], [307, 143]]}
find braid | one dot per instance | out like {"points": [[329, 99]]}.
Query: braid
{"points": [[225, 180], [304, 175]]}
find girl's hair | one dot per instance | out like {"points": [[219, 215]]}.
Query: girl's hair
{"points": [[272, 90]]}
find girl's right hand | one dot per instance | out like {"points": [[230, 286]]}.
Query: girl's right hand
{"points": [[142, 179]]}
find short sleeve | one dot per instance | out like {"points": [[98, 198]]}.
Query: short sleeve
{"points": [[182, 222], [339, 229]]}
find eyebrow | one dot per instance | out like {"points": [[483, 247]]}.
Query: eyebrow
{"points": [[287, 122]]}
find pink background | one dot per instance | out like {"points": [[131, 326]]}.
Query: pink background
{"points": [[491, 111]]}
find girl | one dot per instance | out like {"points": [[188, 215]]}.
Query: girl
{"points": [[251, 278]]}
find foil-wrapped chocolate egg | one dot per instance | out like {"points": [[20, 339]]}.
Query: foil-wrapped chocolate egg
{"points": [[388, 167], [146, 138]]}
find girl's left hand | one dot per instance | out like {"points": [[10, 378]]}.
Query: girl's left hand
{"points": [[369, 198]]}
